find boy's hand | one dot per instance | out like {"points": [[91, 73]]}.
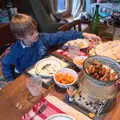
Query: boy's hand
{"points": [[90, 36]]}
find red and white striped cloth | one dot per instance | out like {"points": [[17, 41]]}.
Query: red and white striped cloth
{"points": [[34, 115]]}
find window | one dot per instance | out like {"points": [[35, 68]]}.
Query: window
{"points": [[68, 8], [61, 7]]}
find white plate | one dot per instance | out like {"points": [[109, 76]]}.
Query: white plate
{"points": [[47, 67], [80, 43], [109, 49], [60, 117]]}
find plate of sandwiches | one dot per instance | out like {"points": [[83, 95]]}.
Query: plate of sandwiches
{"points": [[47, 67]]}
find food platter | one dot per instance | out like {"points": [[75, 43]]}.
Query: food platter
{"points": [[109, 49], [81, 43], [60, 117], [47, 67]]}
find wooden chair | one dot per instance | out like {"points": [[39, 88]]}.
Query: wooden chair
{"points": [[6, 37], [6, 40], [41, 12], [65, 27], [75, 25]]}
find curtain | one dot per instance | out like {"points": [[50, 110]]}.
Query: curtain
{"points": [[77, 7]]}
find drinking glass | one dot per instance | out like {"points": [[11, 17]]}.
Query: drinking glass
{"points": [[34, 85], [29, 94], [73, 51]]}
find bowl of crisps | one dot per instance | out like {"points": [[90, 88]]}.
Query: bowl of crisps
{"points": [[65, 77], [79, 60]]}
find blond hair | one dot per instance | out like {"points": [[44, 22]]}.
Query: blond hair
{"points": [[22, 24]]}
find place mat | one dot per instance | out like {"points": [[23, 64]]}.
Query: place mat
{"points": [[48, 110], [54, 106]]}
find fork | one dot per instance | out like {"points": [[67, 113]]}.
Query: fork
{"points": [[41, 110]]}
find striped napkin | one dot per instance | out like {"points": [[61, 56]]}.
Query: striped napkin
{"points": [[36, 114]]}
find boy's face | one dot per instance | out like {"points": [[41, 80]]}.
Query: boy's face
{"points": [[31, 37]]}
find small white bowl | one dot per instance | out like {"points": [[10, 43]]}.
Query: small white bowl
{"points": [[69, 71], [79, 60]]}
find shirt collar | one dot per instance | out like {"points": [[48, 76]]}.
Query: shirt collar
{"points": [[22, 44]]}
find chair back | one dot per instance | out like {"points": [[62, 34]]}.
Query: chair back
{"points": [[74, 25], [40, 12], [65, 27]]}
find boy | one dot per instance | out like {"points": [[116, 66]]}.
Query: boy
{"points": [[30, 46]]}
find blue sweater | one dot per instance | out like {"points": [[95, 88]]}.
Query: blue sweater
{"points": [[23, 57]]}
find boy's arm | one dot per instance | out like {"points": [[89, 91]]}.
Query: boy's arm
{"points": [[7, 72], [60, 37], [7, 62]]}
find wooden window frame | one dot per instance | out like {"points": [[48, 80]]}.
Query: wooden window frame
{"points": [[63, 14]]}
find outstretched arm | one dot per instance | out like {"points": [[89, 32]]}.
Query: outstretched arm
{"points": [[62, 37]]}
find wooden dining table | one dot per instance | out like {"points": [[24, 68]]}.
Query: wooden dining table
{"points": [[16, 93]]}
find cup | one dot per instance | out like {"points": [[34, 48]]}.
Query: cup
{"points": [[34, 85], [73, 51]]}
